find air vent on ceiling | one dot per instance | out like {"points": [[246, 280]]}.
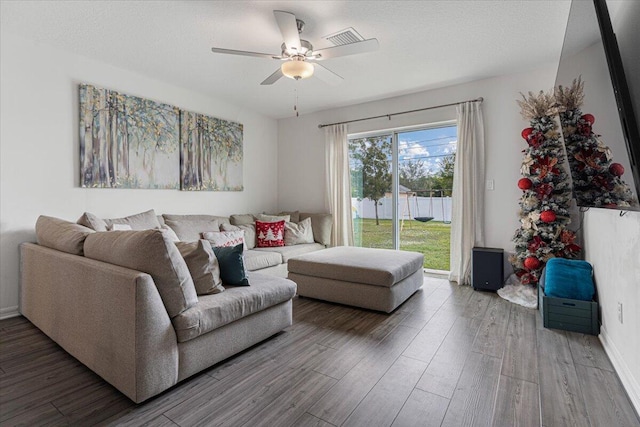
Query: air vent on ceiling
{"points": [[346, 36]]}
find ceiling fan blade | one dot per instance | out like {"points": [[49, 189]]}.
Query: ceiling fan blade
{"points": [[347, 49], [326, 75], [289, 29], [244, 53], [273, 77]]}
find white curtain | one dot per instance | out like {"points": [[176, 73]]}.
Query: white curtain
{"points": [[338, 187], [467, 216]]}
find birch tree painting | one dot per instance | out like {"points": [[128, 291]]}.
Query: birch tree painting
{"points": [[126, 141], [210, 153]]}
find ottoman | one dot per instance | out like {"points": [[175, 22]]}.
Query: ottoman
{"points": [[377, 279]]}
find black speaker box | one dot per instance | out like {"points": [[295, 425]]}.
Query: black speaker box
{"points": [[487, 269]]}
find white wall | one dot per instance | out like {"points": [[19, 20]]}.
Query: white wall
{"points": [[612, 243], [39, 150], [612, 246], [301, 179]]}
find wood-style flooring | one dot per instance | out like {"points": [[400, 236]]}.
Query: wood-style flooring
{"points": [[449, 356]]}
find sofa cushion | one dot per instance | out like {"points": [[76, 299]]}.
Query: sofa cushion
{"points": [[189, 228], [300, 233], [152, 252], [141, 221], [203, 266], [62, 235], [294, 216], [249, 233], [258, 259], [220, 219], [269, 234], [241, 219], [288, 252], [221, 239], [273, 218], [322, 225], [214, 311], [231, 261]]}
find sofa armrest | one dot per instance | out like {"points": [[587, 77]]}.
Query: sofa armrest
{"points": [[110, 318]]}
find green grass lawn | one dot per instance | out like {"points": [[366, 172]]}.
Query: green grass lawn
{"points": [[430, 238]]}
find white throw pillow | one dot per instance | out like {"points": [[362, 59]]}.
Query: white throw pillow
{"points": [[223, 239], [249, 233], [119, 227], [296, 234]]}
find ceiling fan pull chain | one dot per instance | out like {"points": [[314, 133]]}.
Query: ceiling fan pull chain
{"points": [[295, 104]]}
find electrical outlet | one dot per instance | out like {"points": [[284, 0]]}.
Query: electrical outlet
{"points": [[491, 185], [620, 312]]}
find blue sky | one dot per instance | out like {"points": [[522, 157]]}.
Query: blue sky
{"points": [[427, 145]]}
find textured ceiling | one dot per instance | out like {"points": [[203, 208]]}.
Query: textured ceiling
{"points": [[423, 44]]}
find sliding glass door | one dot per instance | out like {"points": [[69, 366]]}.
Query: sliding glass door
{"points": [[371, 163], [401, 190]]}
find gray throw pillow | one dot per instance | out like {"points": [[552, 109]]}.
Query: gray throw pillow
{"points": [[203, 266], [91, 221], [322, 224], [62, 235], [149, 251], [169, 232], [300, 233]]}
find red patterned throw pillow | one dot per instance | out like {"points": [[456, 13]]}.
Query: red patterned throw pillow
{"points": [[269, 234]]}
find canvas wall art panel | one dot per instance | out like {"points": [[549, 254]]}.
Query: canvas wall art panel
{"points": [[127, 141], [210, 153]]}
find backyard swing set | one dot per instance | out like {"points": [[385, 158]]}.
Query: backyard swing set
{"points": [[406, 211]]}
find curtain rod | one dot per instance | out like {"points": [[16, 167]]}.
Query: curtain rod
{"points": [[401, 112]]}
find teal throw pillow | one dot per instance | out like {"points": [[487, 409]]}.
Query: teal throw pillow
{"points": [[231, 261]]}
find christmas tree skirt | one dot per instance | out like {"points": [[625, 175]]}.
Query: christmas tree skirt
{"points": [[517, 293]]}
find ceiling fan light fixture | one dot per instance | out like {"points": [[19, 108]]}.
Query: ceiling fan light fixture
{"points": [[297, 69]]}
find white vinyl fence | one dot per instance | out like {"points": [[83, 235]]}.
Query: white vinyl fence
{"points": [[408, 207]]}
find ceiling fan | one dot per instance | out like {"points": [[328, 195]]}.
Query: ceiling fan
{"points": [[299, 58]]}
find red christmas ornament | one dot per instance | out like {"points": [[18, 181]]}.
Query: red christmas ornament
{"points": [[526, 132], [548, 216], [616, 169], [531, 263], [588, 118], [524, 184]]}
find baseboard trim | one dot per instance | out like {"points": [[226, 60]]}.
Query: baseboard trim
{"points": [[629, 383], [439, 274], [8, 312]]}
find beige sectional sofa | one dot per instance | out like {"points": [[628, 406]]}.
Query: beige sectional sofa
{"points": [[124, 303]]}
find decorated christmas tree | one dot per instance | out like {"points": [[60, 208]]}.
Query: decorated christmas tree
{"points": [[596, 178], [546, 193]]}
